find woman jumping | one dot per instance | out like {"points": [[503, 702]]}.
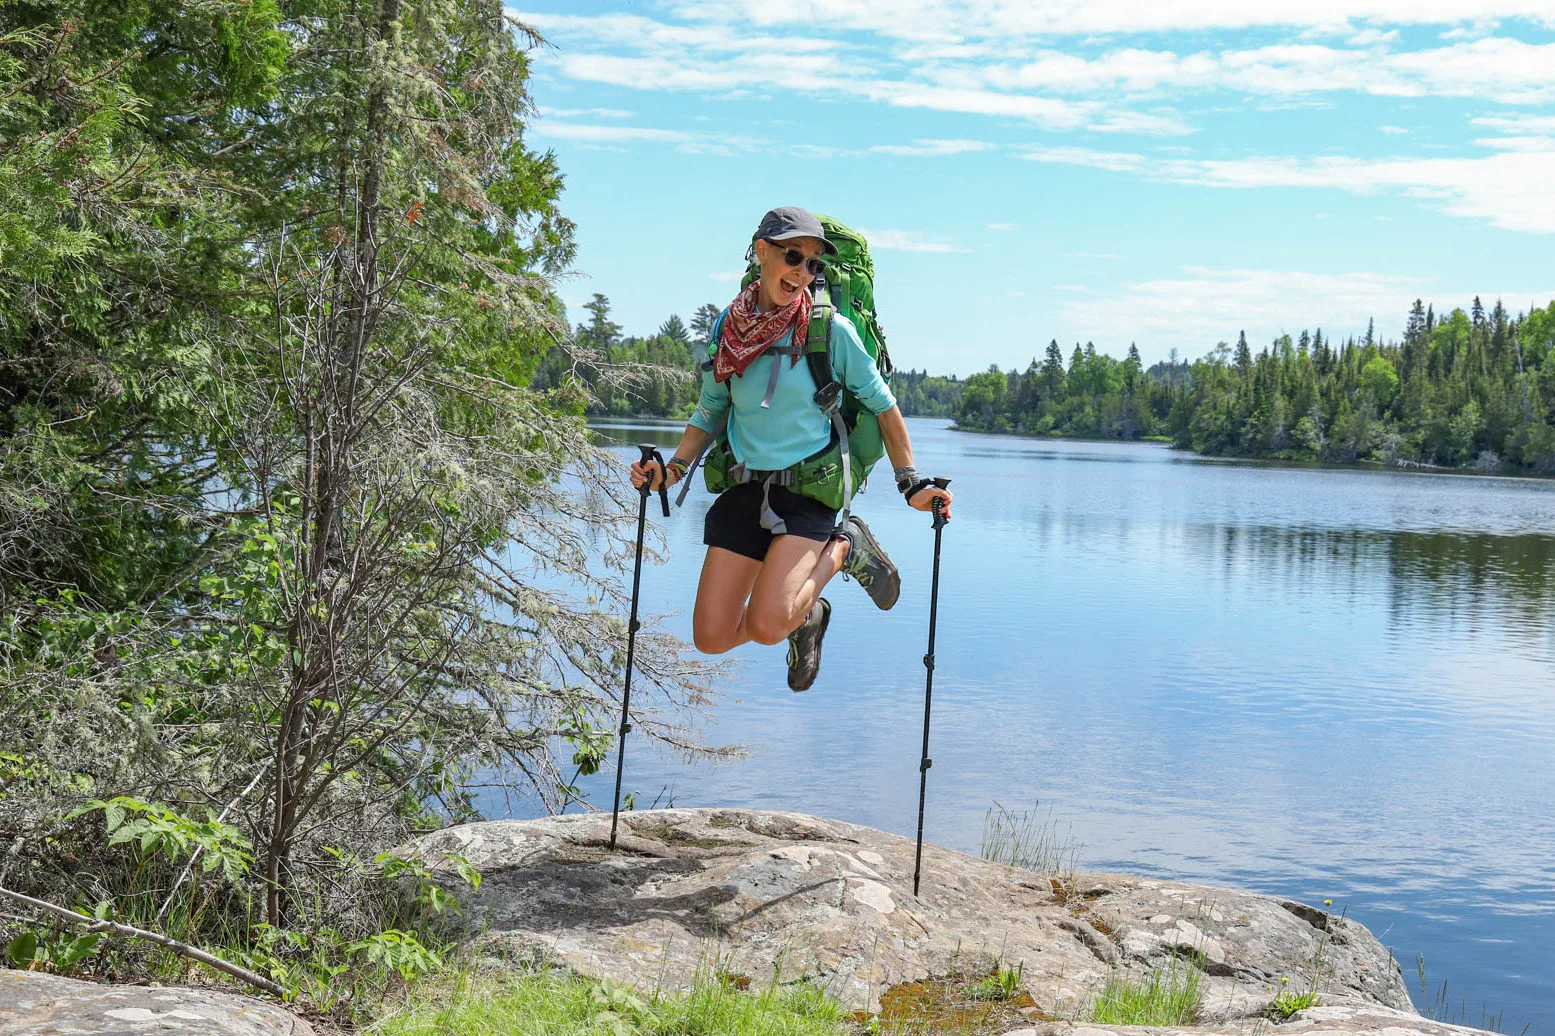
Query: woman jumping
{"points": [[770, 549]]}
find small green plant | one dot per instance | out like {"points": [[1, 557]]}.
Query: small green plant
{"points": [[1003, 984], [49, 949], [1286, 1004], [620, 1011], [1168, 995]]}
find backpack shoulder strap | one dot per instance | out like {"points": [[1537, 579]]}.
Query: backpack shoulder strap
{"points": [[828, 391]]}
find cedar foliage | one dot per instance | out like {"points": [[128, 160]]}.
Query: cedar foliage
{"points": [[283, 530]]}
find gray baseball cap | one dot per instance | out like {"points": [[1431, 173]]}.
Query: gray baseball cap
{"points": [[789, 222]]}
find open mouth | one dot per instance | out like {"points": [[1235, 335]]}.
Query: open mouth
{"points": [[790, 286]]}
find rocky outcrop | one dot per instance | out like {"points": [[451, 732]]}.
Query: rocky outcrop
{"points": [[765, 895], [1349, 1019], [34, 1004]]}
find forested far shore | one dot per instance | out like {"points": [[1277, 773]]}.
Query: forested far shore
{"points": [[1470, 389]]}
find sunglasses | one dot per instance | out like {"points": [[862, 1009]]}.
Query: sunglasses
{"points": [[794, 257]]}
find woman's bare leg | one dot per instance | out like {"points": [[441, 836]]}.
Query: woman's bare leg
{"points": [[791, 578], [718, 623]]}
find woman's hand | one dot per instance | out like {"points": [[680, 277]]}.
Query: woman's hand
{"points": [[923, 499], [642, 473]]}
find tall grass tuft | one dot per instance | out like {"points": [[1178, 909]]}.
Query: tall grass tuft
{"points": [[1026, 839], [1440, 1007], [1168, 995]]}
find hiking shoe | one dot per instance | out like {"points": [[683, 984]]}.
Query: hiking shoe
{"points": [[867, 563], [804, 646]]}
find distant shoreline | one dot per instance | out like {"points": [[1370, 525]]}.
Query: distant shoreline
{"points": [[1412, 468]]}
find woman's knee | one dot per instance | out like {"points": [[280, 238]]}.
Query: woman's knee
{"points": [[714, 636], [769, 623], [712, 642]]}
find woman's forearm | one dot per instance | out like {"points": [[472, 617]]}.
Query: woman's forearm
{"points": [[692, 443], [893, 432]]}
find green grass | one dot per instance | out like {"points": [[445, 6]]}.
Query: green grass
{"points": [[556, 1003], [1023, 838], [1168, 995]]}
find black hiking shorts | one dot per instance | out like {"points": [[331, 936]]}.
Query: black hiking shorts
{"points": [[734, 520]]}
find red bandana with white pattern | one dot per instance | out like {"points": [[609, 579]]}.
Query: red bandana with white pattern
{"points": [[747, 332]]}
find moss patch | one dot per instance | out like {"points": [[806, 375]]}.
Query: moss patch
{"points": [[957, 1003], [670, 834]]}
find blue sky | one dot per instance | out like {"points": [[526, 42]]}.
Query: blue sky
{"points": [[1124, 170]]}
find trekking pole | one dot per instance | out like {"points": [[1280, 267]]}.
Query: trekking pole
{"points": [[649, 453], [928, 680]]}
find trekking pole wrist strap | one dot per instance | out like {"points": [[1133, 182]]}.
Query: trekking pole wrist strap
{"points": [[914, 487]]}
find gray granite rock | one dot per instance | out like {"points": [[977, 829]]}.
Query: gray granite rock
{"points": [[34, 1004], [770, 895], [1349, 1018]]}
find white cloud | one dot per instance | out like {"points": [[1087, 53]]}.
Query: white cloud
{"points": [[640, 53], [1000, 226], [1392, 131], [593, 134], [1372, 38], [932, 148], [1150, 124], [1479, 28], [1049, 112], [1202, 306], [1509, 189], [1112, 161], [1518, 125], [575, 113], [611, 134], [956, 22], [904, 241], [1517, 143]]}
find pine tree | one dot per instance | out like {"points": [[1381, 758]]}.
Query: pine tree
{"points": [[1244, 358], [702, 322], [674, 329], [600, 333], [1053, 372]]}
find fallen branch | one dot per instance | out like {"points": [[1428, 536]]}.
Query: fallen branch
{"points": [[181, 948]]}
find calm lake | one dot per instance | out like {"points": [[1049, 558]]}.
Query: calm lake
{"points": [[1316, 683]]}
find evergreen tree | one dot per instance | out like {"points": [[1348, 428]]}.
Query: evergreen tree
{"points": [[1053, 372], [674, 329], [600, 333], [702, 322]]}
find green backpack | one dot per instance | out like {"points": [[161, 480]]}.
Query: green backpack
{"points": [[837, 472]]}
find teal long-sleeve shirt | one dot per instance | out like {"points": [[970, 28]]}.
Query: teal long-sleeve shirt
{"points": [[793, 427]]}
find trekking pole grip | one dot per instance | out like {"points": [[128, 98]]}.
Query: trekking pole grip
{"points": [[650, 452], [939, 504]]}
